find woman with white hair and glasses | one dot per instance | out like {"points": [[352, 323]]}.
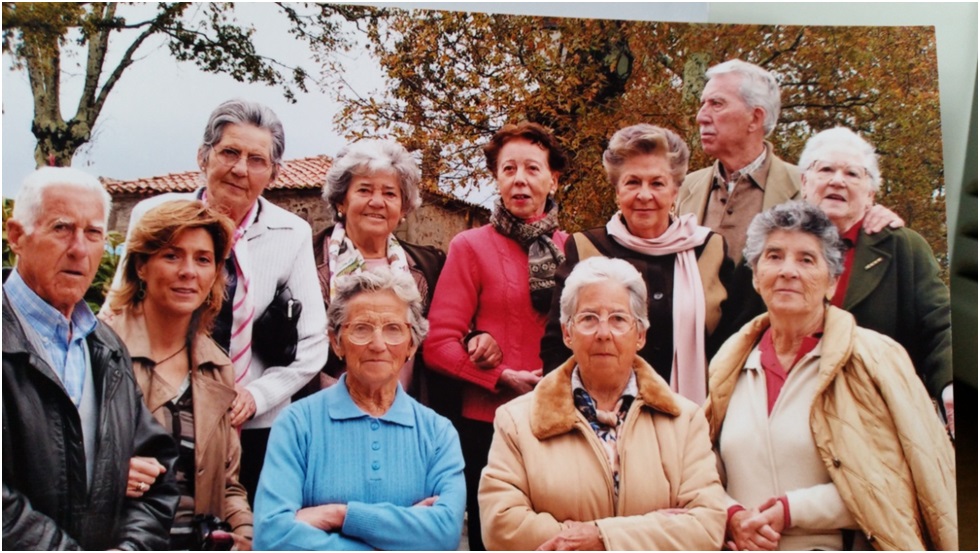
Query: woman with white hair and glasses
{"points": [[891, 280], [362, 465], [271, 252], [371, 187], [602, 455]]}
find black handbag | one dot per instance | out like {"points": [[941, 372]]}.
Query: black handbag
{"points": [[274, 334]]}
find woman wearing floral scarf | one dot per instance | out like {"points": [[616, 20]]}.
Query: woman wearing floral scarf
{"points": [[371, 186], [492, 300], [684, 264]]}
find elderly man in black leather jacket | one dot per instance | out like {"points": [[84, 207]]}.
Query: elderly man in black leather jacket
{"points": [[73, 420]]}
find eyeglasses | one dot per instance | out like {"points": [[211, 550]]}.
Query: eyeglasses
{"points": [[362, 334], [852, 174], [588, 323], [229, 157]]}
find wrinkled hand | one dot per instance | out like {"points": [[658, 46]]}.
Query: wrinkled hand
{"points": [[239, 543], [427, 502], [484, 351], [521, 382], [879, 217], [143, 472], [948, 406], [751, 532], [243, 408], [575, 536], [328, 518], [772, 513]]}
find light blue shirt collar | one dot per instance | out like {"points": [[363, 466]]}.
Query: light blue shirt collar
{"points": [[44, 318], [341, 406], [60, 342]]}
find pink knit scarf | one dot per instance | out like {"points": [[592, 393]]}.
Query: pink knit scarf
{"points": [[688, 375]]}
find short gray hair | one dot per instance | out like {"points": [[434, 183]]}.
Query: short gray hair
{"points": [[842, 139], [800, 217], [759, 88], [378, 280], [646, 139], [598, 269], [369, 156], [243, 112], [27, 205]]}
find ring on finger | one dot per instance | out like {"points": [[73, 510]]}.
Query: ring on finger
{"points": [[141, 486]]}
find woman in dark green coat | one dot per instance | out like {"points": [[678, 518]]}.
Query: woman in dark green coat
{"points": [[891, 279]]}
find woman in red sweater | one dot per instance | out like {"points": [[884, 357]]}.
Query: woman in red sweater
{"points": [[490, 306]]}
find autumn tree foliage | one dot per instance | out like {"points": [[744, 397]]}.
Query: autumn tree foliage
{"points": [[453, 78], [51, 39]]}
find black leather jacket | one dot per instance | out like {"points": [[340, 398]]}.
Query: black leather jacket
{"points": [[45, 501]]}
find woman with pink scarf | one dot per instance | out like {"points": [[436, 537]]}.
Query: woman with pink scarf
{"points": [[683, 264]]}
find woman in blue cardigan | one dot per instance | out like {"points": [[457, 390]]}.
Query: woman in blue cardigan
{"points": [[361, 465]]}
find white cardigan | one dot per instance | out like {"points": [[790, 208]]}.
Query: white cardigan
{"points": [[281, 247]]}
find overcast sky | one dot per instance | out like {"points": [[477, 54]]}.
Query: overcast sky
{"points": [[153, 120]]}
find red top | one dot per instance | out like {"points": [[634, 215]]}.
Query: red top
{"points": [[849, 238], [775, 372], [484, 286]]}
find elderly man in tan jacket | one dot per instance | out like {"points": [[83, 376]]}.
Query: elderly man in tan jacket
{"points": [[739, 109]]}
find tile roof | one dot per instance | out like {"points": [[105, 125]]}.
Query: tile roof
{"points": [[306, 173], [296, 174]]}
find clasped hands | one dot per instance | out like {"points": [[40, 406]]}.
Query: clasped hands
{"points": [[757, 529], [575, 536], [485, 353]]}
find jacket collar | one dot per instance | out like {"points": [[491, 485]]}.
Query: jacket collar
{"points": [[553, 409], [207, 360], [726, 366], [131, 328], [15, 341], [262, 221], [260, 224], [872, 261], [837, 343], [104, 353], [43, 317], [758, 175], [782, 183]]}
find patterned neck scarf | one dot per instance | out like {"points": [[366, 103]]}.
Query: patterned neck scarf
{"points": [[345, 259], [543, 256], [605, 424]]}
